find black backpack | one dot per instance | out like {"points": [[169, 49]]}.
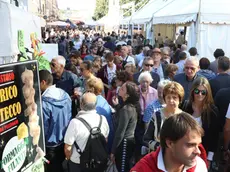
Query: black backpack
{"points": [[95, 155]]}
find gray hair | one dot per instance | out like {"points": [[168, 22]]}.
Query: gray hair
{"points": [[145, 74], [147, 59], [88, 106], [61, 60], [193, 59], [163, 83], [183, 47]]}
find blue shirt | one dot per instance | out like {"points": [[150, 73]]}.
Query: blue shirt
{"points": [[151, 108], [139, 57], [89, 57], [103, 108]]}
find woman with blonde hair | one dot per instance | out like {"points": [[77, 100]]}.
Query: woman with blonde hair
{"points": [[202, 108], [95, 85]]}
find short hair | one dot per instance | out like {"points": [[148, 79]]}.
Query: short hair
{"points": [[163, 83], [170, 68], [88, 64], [183, 47], [204, 63], [109, 56], [176, 126], [223, 63], [193, 59], [182, 55], [93, 46], [61, 60], [87, 106], [45, 75], [193, 51], [123, 76], [145, 74], [147, 59], [218, 53], [95, 85], [174, 88], [71, 67], [76, 54]]}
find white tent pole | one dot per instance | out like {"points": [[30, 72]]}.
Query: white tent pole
{"points": [[198, 25]]}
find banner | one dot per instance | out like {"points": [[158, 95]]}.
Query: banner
{"points": [[21, 124]]}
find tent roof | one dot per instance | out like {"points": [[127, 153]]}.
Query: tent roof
{"points": [[145, 14], [183, 11], [125, 20]]}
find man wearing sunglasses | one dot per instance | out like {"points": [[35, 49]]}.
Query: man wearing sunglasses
{"points": [[147, 66], [191, 67]]}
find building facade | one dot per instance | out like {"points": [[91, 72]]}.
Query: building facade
{"points": [[47, 9]]}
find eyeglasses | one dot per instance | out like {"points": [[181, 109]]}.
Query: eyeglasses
{"points": [[197, 91], [166, 54], [191, 68], [149, 65], [52, 64]]}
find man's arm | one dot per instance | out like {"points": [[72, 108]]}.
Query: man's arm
{"points": [[68, 151]]}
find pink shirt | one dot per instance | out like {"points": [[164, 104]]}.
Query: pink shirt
{"points": [[150, 97]]}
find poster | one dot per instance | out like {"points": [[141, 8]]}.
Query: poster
{"points": [[21, 124]]}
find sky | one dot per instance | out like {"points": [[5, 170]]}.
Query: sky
{"points": [[77, 4]]}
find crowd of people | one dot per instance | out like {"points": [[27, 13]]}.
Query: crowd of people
{"points": [[159, 107]]}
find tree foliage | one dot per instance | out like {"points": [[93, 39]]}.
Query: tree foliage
{"points": [[102, 7]]}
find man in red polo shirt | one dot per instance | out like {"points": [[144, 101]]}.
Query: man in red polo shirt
{"points": [[180, 148]]}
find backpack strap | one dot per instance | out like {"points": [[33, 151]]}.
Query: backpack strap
{"points": [[158, 118], [85, 123], [99, 126], [88, 127]]}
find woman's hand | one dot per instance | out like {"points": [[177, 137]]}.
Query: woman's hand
{"points": [[112, 158], [115, 100]]}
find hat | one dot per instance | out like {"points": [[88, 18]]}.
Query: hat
{"points": [[156, 50], [219, 52]]}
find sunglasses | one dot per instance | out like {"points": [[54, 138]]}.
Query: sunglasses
{"points": [[203, 92], [149, 65], [52, 64], [192, 68]]}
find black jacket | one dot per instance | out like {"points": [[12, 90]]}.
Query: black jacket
{"points": [[220, 81], [211, 131], [222, 100]]}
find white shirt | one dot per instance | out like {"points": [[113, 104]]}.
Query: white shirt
{"points": [[228, 112], [180, 66], [78, 132], [200, 164], [111, 73], [198, 120], [130, 59]]}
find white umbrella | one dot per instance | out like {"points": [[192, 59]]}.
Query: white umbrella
{"points": [[58, 23]]}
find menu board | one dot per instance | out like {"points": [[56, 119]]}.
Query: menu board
{"points": [[21, 124]]}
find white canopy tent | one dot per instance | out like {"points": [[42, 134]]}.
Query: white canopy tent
{"points": [[209, 23], [12, 20], [144, 15], [58, 23]]}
